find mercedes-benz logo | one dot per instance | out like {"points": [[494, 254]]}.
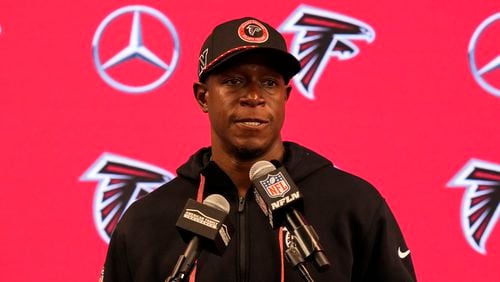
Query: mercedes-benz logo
{"points": [[479, 72], [135, 49]]}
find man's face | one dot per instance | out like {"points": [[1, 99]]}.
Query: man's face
{"points": [[245, 101]]}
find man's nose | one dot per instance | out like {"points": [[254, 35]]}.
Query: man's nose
{"points": [[253, 95]]}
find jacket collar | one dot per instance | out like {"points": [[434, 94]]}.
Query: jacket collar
{"points": [[298, 160]]}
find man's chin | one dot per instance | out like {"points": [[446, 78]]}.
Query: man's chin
{"points": [[248, 153], [250, 149]]}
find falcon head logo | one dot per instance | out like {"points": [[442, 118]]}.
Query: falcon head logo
{"points": [[253, 29], [319, 35], [480, 205], [121, 181]]}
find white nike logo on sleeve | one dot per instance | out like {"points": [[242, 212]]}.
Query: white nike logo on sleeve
{"points": [[404, 254]]}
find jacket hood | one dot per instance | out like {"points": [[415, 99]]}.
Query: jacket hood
{"points": [[298, 160]]}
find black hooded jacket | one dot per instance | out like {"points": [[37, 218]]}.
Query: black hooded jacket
{"points": [[357, 230]]}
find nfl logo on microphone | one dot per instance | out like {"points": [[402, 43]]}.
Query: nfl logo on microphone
{"points": [[275, 185]]}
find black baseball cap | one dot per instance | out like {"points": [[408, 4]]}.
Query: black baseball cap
{"points": [[233, 38]]}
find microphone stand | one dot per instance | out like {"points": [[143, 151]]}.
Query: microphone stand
{"points": [[297, 260], [305, 246], [185, 263], [176, 276]]}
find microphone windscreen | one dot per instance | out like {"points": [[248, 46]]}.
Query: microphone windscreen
{"points": [[260, 168], [217, 201]]}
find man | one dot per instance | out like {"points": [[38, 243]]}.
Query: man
{"points": [[243, 86]]}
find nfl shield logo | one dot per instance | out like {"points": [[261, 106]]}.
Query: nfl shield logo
{"points": [[275, 185]]}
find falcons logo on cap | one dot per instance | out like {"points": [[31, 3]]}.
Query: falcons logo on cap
{"points": [[480, 205], [253, 29], [319, 35], [121, 181]]}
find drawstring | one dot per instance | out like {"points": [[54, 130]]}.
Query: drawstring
{"points": [[282, 255], [201, 189], [199, 198]]}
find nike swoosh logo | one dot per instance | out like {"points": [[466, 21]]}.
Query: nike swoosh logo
{"points": [[404, 254]]}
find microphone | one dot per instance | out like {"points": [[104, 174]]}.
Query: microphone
{"points": [[206, 227], [279, 198]]}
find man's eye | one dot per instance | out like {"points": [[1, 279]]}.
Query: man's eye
{"points": [[269, 83], [233, 81]]}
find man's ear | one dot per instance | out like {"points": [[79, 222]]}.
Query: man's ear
{"points": [[200, 94]]}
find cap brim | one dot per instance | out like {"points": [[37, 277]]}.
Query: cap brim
{"points": [[283, 62]]}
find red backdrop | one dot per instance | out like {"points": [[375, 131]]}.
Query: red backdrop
{"points": [[406, 108]]}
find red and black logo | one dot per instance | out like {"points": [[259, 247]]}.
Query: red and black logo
{"points": [[253, 31], [319, 35], [121, 181], [480, 205]]}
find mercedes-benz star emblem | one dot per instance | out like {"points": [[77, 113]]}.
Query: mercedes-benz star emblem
{"points": [[479, 72], [136, 49]]}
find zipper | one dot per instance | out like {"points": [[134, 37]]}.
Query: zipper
{"points": [[242, 240]]}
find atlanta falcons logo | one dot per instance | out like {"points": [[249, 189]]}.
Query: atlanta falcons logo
{"points": [[322, 34], [253, 29], [480, 205], [121, 181]]}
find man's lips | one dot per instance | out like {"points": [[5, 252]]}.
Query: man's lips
{"points": [[251, 122]]}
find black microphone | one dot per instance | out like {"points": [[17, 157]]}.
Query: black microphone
{"points": [[279, 198], [206, 227]]}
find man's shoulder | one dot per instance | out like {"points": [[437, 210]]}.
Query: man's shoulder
{"points": [[165, 201], [337, 180], [311, 168]]}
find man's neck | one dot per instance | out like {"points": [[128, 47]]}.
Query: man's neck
{"points": [[237, 169]]}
